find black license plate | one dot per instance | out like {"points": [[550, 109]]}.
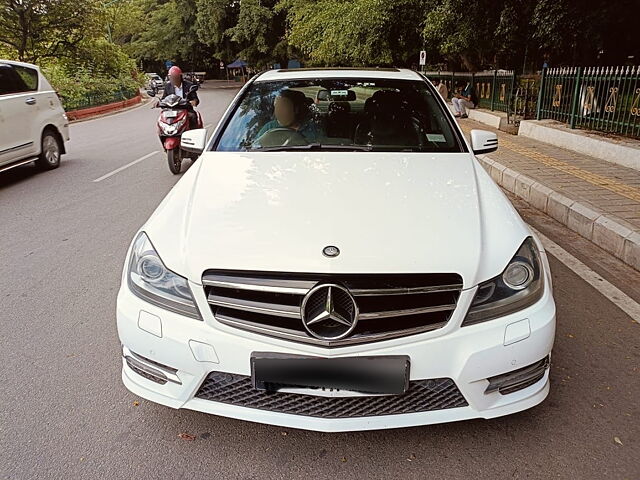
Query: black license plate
{"points": [[377, 374]]}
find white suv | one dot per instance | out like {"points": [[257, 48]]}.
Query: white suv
{"points": [[345, 264], [33, 125]]}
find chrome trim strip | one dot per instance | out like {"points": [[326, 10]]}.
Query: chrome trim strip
{"points": [[365, 292], [17, 164], [157, 370], [257, 307], [276, 288], [517, 377], [408, 311]]}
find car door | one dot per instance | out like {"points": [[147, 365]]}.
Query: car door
{"points": [[18, 113]]}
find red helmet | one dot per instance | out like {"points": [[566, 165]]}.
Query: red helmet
{"points": [[175, 70]]}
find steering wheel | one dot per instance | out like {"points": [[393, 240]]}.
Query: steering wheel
{"points": [[280, 137]]}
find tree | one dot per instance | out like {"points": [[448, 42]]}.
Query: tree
{"points": [[260, 31], [587, 31], [169, 32], [122, 19], [253, 30], [213, 19], [359, 32], [38, 29]]}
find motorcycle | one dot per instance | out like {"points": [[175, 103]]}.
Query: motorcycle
{"points": [[172, 123]]}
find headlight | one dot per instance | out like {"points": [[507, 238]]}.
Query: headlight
{"points": [[150, 280], [518, 286]]}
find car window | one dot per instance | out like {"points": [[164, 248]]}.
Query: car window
{"points": [[11, 81], [366, 114], [29, 76]]}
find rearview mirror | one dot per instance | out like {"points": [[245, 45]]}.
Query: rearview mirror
{"points": [[194, 140], [193, 88], [483, 141]]}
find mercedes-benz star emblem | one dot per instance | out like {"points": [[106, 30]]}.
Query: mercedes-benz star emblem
{"points": [[330, 251], [329, 312]]}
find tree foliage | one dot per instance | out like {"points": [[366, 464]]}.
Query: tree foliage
{"points": [[97, 35], [253, 30], [37, 29], [359, 32]]}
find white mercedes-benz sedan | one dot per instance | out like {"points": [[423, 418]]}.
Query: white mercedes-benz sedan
{"points": [[337, 259]]}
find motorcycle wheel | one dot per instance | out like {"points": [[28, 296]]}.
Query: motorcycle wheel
{"points": [[175, 162]]}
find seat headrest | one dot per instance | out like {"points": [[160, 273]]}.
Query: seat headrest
{"points": [[386, 101], [343, 107]]}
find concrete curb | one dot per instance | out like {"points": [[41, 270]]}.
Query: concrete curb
{"points": [[624, 152], [611, 234], [493, 119]]}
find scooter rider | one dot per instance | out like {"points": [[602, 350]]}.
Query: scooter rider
{"points": [[181, 87]]}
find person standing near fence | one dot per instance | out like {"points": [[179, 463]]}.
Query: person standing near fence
{"points": [[463, 100], [442, 89]]}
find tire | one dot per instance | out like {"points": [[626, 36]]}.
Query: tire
{"points": [[174, 160], [50, 151]]}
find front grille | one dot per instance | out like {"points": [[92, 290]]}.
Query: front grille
{"points": [[390, 306], [422, 396]]}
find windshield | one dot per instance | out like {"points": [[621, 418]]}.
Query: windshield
{"points": [[339, 114]]}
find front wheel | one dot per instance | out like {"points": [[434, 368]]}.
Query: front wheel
{"points": [[50, 152], [175, 162]]}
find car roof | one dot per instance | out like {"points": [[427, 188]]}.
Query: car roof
{"points": [[21, 64], [305, 73]]}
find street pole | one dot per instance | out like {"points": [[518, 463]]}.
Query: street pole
{"points": [[540, 93]]}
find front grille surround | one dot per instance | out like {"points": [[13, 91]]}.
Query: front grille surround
{"points": [[390, 305], [422, 396]]}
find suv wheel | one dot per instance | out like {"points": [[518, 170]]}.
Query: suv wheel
{"points": [[50, 153]]}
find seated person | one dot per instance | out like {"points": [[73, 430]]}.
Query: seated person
{"points": [[292, 111]]}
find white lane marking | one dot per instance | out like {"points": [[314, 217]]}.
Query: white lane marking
{"points": [[118, 170], [610, 291]]}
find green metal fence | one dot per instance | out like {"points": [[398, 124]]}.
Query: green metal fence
{"points": [[596, 98], [95, 99], [493, 88]]}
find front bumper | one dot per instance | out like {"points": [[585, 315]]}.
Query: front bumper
{"points": [[468, 356]]}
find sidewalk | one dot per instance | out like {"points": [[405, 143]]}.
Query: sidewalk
{"points": [[597, 199]]}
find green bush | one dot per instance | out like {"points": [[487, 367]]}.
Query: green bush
{"points": [[97, 72]]}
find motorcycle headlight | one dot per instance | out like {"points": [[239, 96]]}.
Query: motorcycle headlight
{"points": [[519, 286], [150, 280]]}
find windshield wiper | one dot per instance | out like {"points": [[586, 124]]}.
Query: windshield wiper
{"points": [[313, 147]]}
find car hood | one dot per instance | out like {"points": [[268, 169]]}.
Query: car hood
{"points": [[386, 212]]}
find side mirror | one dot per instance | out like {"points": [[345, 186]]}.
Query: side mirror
{"points": [[151, 93], [193, 88], [194, 140], [483, 141]]}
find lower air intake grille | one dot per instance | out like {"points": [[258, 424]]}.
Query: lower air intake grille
{"points": [[422, 396]]}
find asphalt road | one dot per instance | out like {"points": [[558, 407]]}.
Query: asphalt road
{"points": [[65, 413]]}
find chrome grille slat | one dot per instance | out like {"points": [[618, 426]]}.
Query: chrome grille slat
{"points": [[403, 313], [391, 305], [405, 291], [301, 337], [295, 287], [258, 307]]}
